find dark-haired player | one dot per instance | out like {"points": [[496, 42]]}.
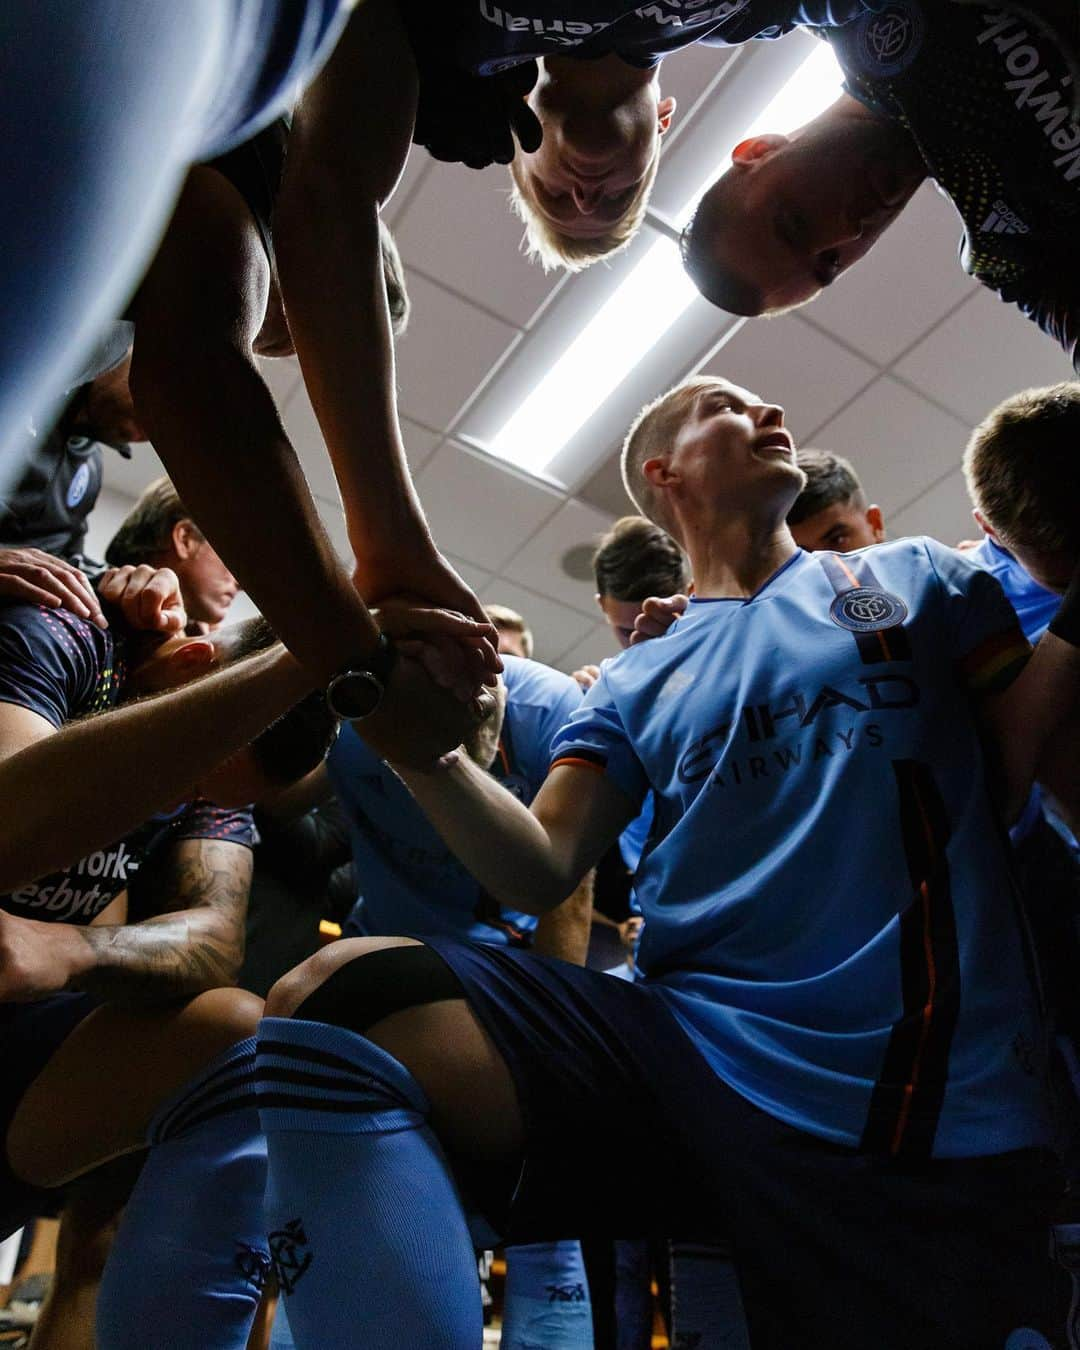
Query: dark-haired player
{"points": [[838, 1048]]}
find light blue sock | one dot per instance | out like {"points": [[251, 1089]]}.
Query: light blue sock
{"points": [[547, 1298], [367, 1235], [190, 1259]]}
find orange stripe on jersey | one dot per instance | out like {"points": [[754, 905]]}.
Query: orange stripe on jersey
{"points": [[847, 571], [579, 763]]}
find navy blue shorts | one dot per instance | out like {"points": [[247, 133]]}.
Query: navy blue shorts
{"points": [[30, 1034], [628, 1132]]}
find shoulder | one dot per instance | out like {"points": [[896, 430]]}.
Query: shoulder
{"points": [[202, 819], [53, 652], [532, 682]]}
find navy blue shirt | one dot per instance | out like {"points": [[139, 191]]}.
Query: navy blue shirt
{"points": [[60, 667], [986, 96]]}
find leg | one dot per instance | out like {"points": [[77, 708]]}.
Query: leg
{"points": [[547, 1298], [190, 1252], [89, 178], [353, 1164], [88, 1224]]}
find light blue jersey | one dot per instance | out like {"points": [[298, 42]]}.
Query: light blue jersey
{"points": [[827, 899], [410, 882], [1035, 606]]}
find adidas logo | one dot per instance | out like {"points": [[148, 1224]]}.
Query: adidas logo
{"points": [[1002, 221]]}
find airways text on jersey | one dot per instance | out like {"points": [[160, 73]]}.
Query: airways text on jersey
{"points": [[770, 733]]}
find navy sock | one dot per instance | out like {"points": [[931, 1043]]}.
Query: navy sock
{"points": [[367, 1234], [190, 1259], [547, 1298]]}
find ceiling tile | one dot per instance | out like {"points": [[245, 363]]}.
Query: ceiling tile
{"points": [[596, 646], [787, 361], [898, 442], [282, 374], [130, 476], [605, 490], [981, 354], [306, 436], [475, 577], [685, 75], [479, 510], [539, 564], [943, 513], [459, 230], [447, 349], [913, 277], [555, 627]]}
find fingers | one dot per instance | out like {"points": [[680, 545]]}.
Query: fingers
{"points": [[33, 575], [148, 597], [587, 676], [656, 617]]}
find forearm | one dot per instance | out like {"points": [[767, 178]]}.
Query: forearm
{"points": [[564, 930], [493, 835], [241, 480], [165, 958], [1028, 717], [348, 144], [105, 775]]}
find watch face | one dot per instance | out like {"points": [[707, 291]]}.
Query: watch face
{"points": [[354, 694]]}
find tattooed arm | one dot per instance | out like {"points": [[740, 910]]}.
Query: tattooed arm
{"points": [[197, 945]]}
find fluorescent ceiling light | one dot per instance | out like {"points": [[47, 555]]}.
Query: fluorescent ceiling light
{"points": [[645, 306]]}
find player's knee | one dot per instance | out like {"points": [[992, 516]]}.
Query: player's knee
{"points": [[366, 985], [221, 1017], [304, 980]]}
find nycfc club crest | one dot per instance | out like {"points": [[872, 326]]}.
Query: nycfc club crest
{"points": [[80, 481], [864, 610], [889, 40]]}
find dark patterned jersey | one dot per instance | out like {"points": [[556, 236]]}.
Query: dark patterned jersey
{"points": [[987, 97], [60, 667]]}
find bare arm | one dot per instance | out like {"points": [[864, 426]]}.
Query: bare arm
{"points": [[564, 930], [527, 859], [214, 423], [197, 945], [96, 777], [1022, 722], [349, 142]]}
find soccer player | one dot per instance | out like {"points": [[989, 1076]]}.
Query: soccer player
{"points": [[105, 1020], [982, 100], [832, 511], [409, 881], [838, 1049], [515, 635], [159, 533]]}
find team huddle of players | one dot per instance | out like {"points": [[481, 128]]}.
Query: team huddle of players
{"points": [[831, 1052]]}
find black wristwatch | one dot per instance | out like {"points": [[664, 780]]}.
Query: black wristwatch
{"points": [[355, 693]]}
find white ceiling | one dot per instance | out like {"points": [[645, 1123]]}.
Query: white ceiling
{"points": [[891, 366]]}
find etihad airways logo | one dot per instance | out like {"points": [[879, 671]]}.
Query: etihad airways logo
{"points": [[572, 31], [762, 723]]}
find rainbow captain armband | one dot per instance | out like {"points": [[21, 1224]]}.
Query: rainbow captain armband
{"points": [[996, 662]]}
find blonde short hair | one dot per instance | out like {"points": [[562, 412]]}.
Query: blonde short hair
{"points": [[510, 621], [554, 248], [1023, 470], [651, 434]]}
